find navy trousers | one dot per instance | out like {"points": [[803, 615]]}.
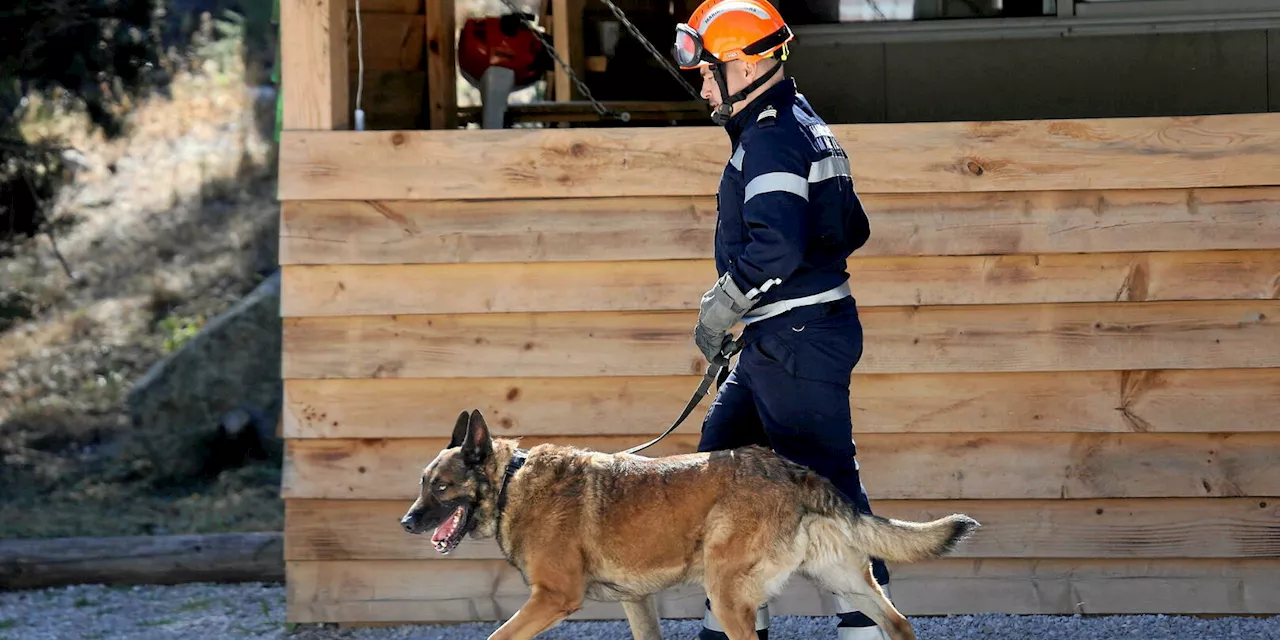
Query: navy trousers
{"points": [[789, 391]]}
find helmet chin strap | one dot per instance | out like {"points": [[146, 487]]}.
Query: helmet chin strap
{"points": [[723, 112]]}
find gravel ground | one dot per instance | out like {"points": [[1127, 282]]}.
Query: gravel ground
{"points": [[256, 611]]}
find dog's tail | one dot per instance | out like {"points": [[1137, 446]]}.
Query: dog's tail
{"points": [[903, 541], [891, 540]]}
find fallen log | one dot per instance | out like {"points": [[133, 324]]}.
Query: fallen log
{"points": [[130, 560]]}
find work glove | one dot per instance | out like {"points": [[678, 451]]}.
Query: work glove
{"points": [[722, 306]]}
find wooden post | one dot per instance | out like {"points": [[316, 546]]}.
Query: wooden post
{"points": [[442, 59], [566, 20], [314, 64]]}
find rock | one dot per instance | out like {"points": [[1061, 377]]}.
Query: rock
{"points": [[242, 435], [226, 376]]}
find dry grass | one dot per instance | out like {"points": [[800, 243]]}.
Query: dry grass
{"points": [[163, 229], [168, 226]]}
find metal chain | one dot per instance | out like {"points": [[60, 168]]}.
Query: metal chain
{"points": [[582, 87], [652, 51]]}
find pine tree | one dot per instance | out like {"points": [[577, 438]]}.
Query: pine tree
{"points": [[98, 53]]}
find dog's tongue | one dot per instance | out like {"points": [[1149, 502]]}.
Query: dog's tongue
{"points": [[446, 528]]}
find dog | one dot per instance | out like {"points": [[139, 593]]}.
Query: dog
{"points": [[581, 524]]}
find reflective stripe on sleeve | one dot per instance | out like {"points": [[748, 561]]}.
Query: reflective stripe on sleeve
{"points": [[777, 181], [829, 167]]}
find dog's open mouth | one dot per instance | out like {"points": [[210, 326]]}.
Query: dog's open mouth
{"points": [[449, 534]]}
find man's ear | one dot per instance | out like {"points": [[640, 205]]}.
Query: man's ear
{"points": [[459, 430], [477, 445]]}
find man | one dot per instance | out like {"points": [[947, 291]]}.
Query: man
{"points": [[788, 219]]}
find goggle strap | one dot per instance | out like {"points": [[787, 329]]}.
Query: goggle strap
{"points": [[768, 42]]}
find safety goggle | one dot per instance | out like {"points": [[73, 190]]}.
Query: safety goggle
{"points": [[688, 50]]}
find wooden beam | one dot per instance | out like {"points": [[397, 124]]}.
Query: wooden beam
{"points": [[1103, 528], [1206, 401], [442, 57], [467, 590], [392, 42], [584, 111], [389, 6], [566, 16], [1086, 154], [314, 73], [564, 44], [929, 466], [658, 285], [131, 560], [674, 228], [1003, 338]]}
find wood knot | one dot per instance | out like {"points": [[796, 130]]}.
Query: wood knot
{"points": [[506, 423], [973, 167], [577, 149], [513, 393], [397, 139]]}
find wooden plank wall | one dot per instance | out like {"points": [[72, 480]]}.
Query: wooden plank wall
{"points": [[1072, 333]]}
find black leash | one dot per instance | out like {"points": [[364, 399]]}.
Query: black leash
{"points": [[716, 372]]}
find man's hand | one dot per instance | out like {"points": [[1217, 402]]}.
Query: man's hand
{"points": [[722, 306]]}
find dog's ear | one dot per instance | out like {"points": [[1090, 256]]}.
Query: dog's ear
{"points": [[460, 429], [477, 446]]}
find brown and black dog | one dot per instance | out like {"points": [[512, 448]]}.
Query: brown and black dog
{"points": [[582, 524]]}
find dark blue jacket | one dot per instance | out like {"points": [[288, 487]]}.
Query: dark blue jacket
{"points": [[788, 212]]}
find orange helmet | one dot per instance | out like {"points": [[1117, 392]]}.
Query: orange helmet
{"points": [[723, 30]]}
